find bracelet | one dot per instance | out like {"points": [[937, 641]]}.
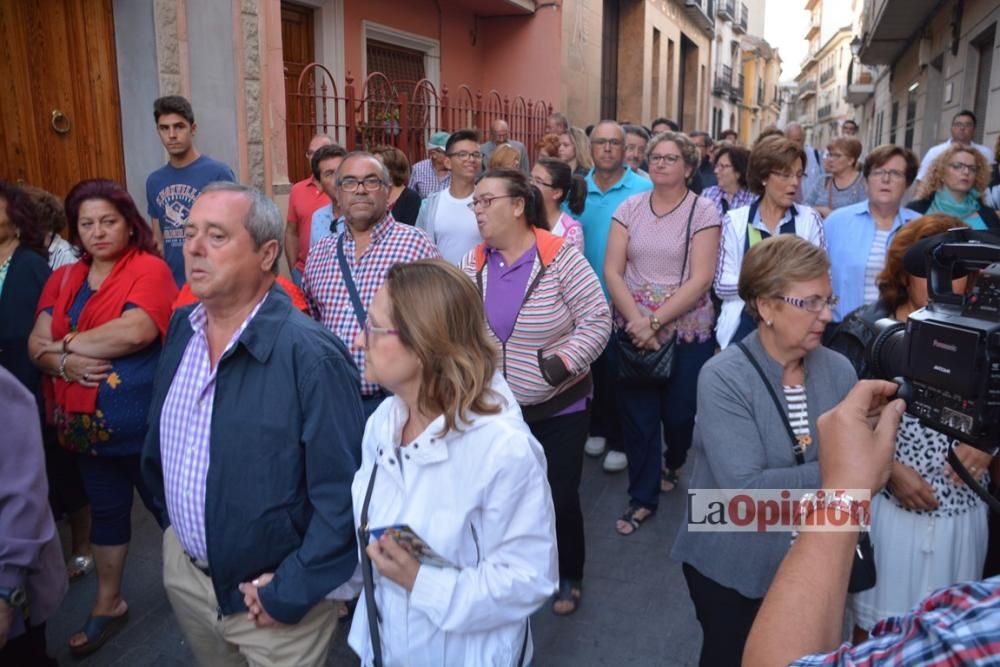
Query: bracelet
{"points": [[810, 503], [62, 367], [66, 339]]}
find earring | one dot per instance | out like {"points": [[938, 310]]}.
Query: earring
{"points": [[769, 322]]}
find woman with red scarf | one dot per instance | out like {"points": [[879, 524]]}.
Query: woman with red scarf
{"points": [[98, 329]]}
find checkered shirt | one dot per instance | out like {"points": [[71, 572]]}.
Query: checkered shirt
{"points": [[185, 434], [329, 300], [425, 180]]}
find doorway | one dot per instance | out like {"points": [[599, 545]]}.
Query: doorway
{"points": [[298, 49]]}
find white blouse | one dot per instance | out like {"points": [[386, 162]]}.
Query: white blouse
{"points": [[479, 497]]}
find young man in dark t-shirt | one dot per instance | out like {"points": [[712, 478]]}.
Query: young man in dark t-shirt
{"points": [[172, 189]]}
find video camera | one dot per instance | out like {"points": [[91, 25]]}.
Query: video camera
{"points": [[946, 356]]}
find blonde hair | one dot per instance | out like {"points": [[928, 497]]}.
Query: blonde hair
{"points": [[505, 157], [440, 318], [935, 175], [774, 264], [581, 144]]}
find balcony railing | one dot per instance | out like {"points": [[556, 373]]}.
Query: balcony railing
{"points": [[702, 12], [807, 88], [723, 81], [861, 84], [826, 75], [737, 95], [815, 23], [398, 113], [727, 10], [825, 111], [741, 25]]}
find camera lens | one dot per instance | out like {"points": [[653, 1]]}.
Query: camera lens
{"points": [[887, 354]]}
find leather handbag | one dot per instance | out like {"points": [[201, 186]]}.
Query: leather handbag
{"points": [[641, 366], [863, 570]]}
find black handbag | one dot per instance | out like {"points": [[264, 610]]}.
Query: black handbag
{"points": [[641, 366], [863, 569]]}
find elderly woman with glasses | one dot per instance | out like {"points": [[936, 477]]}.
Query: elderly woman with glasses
{"points": [[955, 185], [778, 379], [774, 174], [547, 317], [843, 184], [448, 457], [857, 236], [659, 265]]}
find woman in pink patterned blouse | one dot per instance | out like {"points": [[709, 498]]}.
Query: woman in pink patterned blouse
{"points": [[659, 266]]}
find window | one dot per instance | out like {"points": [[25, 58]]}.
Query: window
{"points": [[893, 122], [878, 128], [911, 114], [396, 62]]}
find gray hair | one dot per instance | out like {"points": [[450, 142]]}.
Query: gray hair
{"points": [[613, 123], [688, 150], [263, 220], [386, 178], [637, 130]]}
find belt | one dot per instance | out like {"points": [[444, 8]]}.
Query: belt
{"points": [[200, 565]]}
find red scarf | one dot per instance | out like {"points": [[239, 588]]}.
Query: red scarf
{"points": [[139, 278]]}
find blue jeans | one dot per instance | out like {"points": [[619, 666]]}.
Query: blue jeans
{"points": [[111, 482], [605, 413], [670, 406]]}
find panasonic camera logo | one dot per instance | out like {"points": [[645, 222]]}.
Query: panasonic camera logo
{"points": [[942, 369], [944, 346]]}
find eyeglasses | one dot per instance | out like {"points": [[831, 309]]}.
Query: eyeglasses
{"points": [[814, 304], [465, 155], [369, 329], [351, 184], [891, 174], [722, 166], [787, 175], [666, 158], [967, 168], [537, 182], [601, 143], [963, 126], [834, 156], [486, 201]]}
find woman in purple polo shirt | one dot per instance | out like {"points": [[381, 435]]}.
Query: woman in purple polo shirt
{"points": [[547, 315]]}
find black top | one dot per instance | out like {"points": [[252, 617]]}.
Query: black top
{"points": [[22, 287], [407, 207]]}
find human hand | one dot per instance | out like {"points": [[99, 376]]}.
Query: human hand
{"points": [[854, 453], [251, 598], [87, 371], [642, 333], [6, 618], [911, 489], [976, 461], [393, 561]]}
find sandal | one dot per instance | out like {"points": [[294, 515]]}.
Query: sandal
{"points": [[569, 591], [669, 479], [78, 567], [98, 630], [630, 517]]}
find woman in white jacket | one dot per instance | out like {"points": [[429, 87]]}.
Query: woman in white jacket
{"points": [[774, 173], [449, 456]]}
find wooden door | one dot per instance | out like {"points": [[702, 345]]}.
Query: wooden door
{"points": [[297, 50], [59, 121]]}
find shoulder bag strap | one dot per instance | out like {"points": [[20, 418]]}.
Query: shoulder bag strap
{"points": [[829, 193], [345, 272], [796, 447], [368, 577], [687, 237]]}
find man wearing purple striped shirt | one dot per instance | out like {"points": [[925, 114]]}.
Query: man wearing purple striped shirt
{"points": [[254, 438]]}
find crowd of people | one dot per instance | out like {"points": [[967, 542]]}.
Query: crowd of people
{"points": [[477, 322]]}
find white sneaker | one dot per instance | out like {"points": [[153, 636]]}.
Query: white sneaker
{"points": [[615, 461], [595, 446]]}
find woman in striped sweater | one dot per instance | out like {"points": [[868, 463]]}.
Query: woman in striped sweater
{"points": [[547, 314]]}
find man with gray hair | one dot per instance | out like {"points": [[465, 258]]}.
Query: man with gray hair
{"points": [[344, 271], [254, 437]]}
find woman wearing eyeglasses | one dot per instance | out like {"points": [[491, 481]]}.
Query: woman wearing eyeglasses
{"points": [[858, 236], [775, 172], [659, 266], [955, 185], [449, 456], [742, 434], [843, 184], [547, 316]]}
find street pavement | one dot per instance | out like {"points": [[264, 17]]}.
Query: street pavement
{"points": [[635, 609]]}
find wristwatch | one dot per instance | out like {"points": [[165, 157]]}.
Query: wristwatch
{"points": [[654, 323], [16, 598]]}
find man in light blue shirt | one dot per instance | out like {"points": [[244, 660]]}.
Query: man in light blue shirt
{"points": [[322, 225], [609, 183]]}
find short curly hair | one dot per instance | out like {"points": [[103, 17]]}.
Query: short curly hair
{"points": [[881, 155], [935, 175], [48, 208], [775, 153], [774, 264]]}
